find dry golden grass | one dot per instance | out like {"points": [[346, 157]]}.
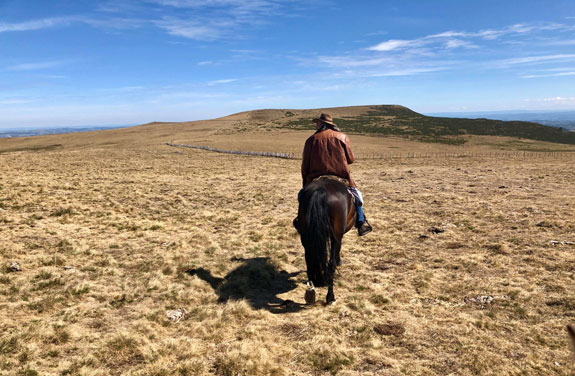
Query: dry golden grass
{"points": [[113, 230]]}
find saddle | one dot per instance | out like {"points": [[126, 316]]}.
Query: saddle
{"points": [[333, 177], [351, 190]]}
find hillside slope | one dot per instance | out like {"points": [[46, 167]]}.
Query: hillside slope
{"points": [[259, 129], [401, 121]]}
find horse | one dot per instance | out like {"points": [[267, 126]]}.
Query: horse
{"points": [[326, 212]]}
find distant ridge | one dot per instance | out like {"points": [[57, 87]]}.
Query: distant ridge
{"points": [[396, 120], [562, 119]]}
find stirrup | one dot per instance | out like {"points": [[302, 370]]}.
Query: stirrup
{"points": [[364, 229], [296, 223]]}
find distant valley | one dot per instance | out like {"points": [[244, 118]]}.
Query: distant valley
{"points": [[40, 131], [563, 119]]}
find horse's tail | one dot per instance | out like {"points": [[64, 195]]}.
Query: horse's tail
{"points": [[318, 232]]}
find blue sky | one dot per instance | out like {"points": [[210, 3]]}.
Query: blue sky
{"points": [[81, 62]]}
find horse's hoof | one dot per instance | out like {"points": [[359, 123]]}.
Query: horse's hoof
{"points": [[331, 303]]}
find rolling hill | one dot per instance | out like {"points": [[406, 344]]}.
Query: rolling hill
{"points": [[378, 128], [394, 120]]}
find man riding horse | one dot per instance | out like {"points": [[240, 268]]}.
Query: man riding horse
{"points": [[328, 153]]}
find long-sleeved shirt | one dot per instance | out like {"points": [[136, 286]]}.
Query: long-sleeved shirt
{"points": [[327, 152]]}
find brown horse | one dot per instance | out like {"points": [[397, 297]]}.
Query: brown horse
{"points": [[326, 212]]}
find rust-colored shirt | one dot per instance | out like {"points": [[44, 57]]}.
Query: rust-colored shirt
{"points": [[327, 152]]}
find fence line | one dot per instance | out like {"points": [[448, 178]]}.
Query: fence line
{"points": [[252, 153], [398, 155]]}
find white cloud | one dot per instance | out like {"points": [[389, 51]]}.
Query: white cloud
{"points": [[249, 4], [394, 44], [535, 59], [36, 24], [456, 43], [38, 65], [219, 18], [566, 103], [190, 29], [350, 62], [405, 72], [457, 39], [560, 74], [219, 82], [560, 99]]}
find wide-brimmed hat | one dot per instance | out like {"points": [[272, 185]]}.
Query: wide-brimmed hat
{"points": [[325, 118]]}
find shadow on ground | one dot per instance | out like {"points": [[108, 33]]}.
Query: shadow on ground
{"points": [[257, 281]]}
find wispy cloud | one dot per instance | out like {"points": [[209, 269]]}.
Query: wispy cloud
{"points": [[456, 43], [450, 42], [404, 72], [202, 20], [209, 20], [15, 101], [191, 29], [220, 82], [552, 102], [237, 8], [394, 44], [36, 24], [535, 59], [38, 65], [560, 74], [350, 61], [560, 99]]}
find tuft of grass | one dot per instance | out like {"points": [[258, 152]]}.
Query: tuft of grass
{"points": [[27, 372], [121, 351], [330, 360], [9, 345], [59, 337], [62, 211], [379, 299], [64, 246]]}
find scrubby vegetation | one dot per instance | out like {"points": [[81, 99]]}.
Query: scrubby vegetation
{"points": [[401, 121]]}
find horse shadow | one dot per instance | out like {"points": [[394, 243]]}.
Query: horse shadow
{"points": [[257, 281]]}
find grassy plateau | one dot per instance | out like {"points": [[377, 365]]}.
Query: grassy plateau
{"points": [[469, 270]]}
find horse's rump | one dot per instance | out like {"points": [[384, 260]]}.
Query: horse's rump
{"points": [[323, 216]]}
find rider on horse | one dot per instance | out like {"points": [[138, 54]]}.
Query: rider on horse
{"points": [[327, 152]]}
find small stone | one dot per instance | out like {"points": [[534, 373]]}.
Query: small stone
{"points": [[14, 267], [176, 315], [480, 299]]}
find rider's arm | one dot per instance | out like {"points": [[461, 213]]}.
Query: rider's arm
{"points": [[348, 153], [305, 161]]}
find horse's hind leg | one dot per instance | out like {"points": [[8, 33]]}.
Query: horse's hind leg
{"points": [[335, 247], [337, 256]]}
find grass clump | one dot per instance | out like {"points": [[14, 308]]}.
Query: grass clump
{"points": [[121, 351], [9, 346], [245, 360], [62, 211], [329, 360]]}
